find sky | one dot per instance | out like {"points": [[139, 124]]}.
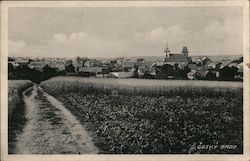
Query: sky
{"points": [[124, 31]]}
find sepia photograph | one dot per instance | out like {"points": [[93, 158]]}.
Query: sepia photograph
{"points": [[105, 78]]}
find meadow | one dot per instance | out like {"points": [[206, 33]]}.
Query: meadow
{"points": [[132, 116], [15, 89]]}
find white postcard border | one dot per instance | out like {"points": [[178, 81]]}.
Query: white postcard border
{"points": [[4, 81]]}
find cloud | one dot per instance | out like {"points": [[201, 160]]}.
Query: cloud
{"points": [[78, 36], [211, 38], [156, 39], [220, 36], [156, 33], [73, 38], [59, 38], [124, 31], [162, 34], [75, 44]]}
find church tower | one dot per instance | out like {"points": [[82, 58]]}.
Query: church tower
{"points": [[185, 51], [167, 51]]}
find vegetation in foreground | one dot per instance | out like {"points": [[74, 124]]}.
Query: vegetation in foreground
{"points": [[16, 116], [153, 117], [15, 89], [145, 87]]}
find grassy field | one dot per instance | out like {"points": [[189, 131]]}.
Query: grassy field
{"points": [[134, 116], [15, 89]]}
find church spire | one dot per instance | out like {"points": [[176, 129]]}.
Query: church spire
{"points": [[167, 51]]}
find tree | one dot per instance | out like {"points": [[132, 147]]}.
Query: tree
{"points": [[70, 69], [10, 68], [81, 59], [228, 73], [164, 71], [48, 72], [11, 59]]}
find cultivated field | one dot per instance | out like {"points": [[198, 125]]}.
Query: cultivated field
{"points": [[155, 116], [15, 89], [145, 87]]}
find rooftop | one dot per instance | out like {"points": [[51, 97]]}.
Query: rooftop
{"points": [[192, 72], [38, 63], [225, 63], [121, 74], [177, 58], [91, 69], [128, 64]]}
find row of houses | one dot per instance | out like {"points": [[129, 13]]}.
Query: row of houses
{"points": [[203, 68], [225, 69], [77, 66], [37, 64], [174, 65]]}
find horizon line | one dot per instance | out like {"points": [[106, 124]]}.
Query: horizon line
{"points": [[112, 57]]}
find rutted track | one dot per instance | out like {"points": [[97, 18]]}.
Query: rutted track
{"points": [[50, 128]]}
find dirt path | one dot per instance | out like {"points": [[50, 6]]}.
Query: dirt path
{"points": [[50, 128]]}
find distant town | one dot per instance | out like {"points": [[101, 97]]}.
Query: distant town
{"points": [[170, 66]]}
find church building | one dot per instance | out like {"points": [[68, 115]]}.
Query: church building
{"points": [[176, 58]]}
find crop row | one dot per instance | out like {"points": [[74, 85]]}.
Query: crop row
{"points": [[142, 123], [131, 125]]}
